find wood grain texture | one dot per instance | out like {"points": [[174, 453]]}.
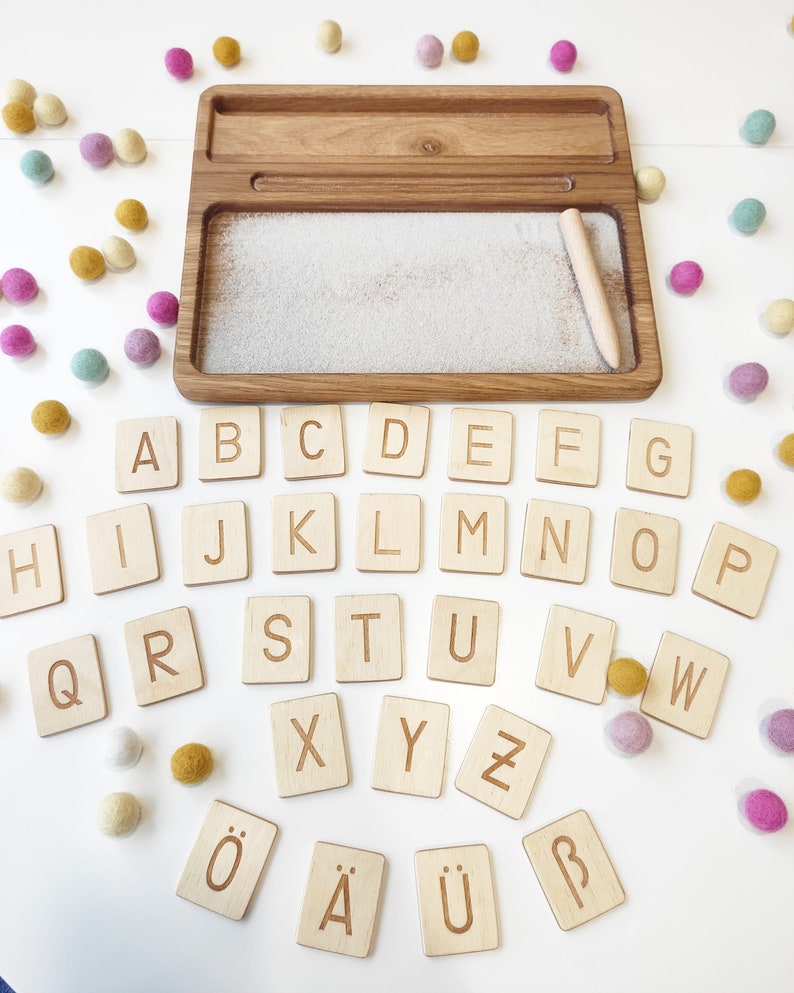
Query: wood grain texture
{"points": [[412, 148], [411, 747], [66, 685], [30, 570]]}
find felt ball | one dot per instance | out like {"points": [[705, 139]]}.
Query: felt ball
{"points": [[17, 341], [650, 181], [50, 417], [89, 365], [49, 110], [179, 63], [785, 450], [132, 215], [748, 215], [118, 814], [142, 346], [779, 316], [18, 117], [18, 285], [563, 55], [123, 748], [630, 732], [779, 729], [129, 146], [764, 810], [86, 262], [21, 90], [37, 166], [748, 380], [163, 308], [226, 51], [429, 51], [97, 149], [743, 485], [686, 277], [465, 46], [191, 763], [118, 252], [627, 676], [20, 485], [758, 127], [329, 36]]}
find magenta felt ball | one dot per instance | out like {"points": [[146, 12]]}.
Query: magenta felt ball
{"points": [[142, 346], [429, 51], [563, 55], [685, 277], [630, 732], [748, 380], [18, 286], [163, 308], [97, 149], [779, 728], [17, 341], [179, 63], [764, 810]]}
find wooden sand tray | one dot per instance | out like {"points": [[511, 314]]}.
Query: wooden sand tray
{"points": [[358, 243]]}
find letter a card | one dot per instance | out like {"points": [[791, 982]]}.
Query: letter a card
{"points": [[227, 860], [574, 870], [340, 903]]}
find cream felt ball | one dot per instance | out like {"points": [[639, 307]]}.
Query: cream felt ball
{"points": [[118, 814], [20, 485], [49, 110], [129, 146], [21, 90], [779, 316], [123, 748], [329, 36], [119, 253], [650, 182]]}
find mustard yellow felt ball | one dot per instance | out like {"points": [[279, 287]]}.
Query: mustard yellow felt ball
{"points": [[50, 417], [226, 51], [743, 485], [18, 117], [191, 763], [785, 450], [132, 215], [86, 262], [627, 676], [465, 46]]}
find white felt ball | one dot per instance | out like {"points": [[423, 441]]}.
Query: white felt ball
{"points": [[123, 748], [118, 814]]}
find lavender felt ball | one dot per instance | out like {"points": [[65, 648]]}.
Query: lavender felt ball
{"points": [[18, 286], [142, 346], [17, 341], [630, 732], [764, 810], [163, 308], [179, 63], [563, 55], [686, 277], [779, 728], [748, 380], [429, 51], [97, 149]]}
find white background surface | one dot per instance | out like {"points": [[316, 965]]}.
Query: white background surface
{"points": [[708, 902]]}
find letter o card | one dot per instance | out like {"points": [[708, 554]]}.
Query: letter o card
{"points": [[574, 870]]}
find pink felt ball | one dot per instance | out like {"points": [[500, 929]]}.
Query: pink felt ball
{"points": [[142, 346], [163, 308], [429, 51], [179, 63], [18, 286], [780, 730], [563, 55], [685, 277], [764, 810], [97, 149], [630, 732], [17, 341], [748, 380]]}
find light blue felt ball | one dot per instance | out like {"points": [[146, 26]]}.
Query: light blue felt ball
{"points": [[89, 365], [758, 127], [37, 166], [748, 215]]}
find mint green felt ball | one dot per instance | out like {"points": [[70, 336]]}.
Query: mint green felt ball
{"points": [[89, 365], [37, 166], [748, 215], [758, 127]]}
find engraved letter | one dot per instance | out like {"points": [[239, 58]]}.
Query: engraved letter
{"points": [[573, 664], [229, 840], [462, 928], [572, 857], [558, 446], [411, 740], [665, 460], [70, 696], [482, 521], [155, 658], [655, 554], [308, 747], [122, 550], [562, 550], [377, 549], [727, 564], [234, 442], [278, 637], [384, 454], [293, 533], [301, 441], [503, 760], [221, 549], [685, 680], [366, 618], [146, 442], [16, 569], [453, 639], [343, 889], [477, 444]]}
